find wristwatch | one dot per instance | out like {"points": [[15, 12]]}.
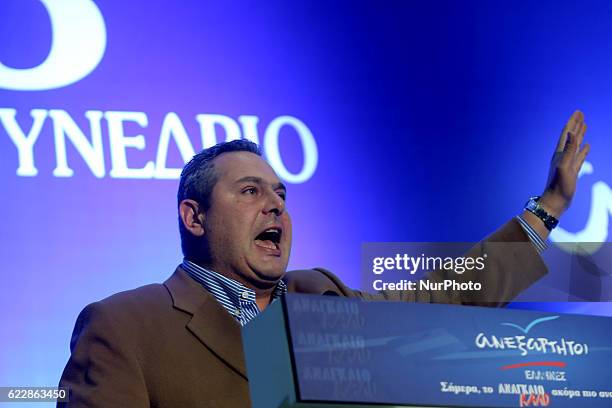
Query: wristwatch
{"points": [[534, 207]]}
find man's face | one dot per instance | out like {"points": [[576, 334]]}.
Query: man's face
{"points": [[247, 228]]}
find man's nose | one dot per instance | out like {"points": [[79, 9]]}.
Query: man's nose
{"points": [[274, 203]]}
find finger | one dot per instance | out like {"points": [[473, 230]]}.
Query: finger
{"points": [[571, 126], [562, 140], [582, 156], [580, 135], [578, 119], [572, 145]]}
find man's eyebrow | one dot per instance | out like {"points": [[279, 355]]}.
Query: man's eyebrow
{"points": [[259, 180], [250, 179]]}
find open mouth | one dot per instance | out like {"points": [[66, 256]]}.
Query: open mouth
{"points": [[269, 238]]}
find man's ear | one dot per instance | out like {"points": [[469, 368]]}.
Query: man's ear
{"points": [[192, 217]]}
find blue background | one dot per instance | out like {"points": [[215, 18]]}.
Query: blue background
{"points": [[434, 121]]}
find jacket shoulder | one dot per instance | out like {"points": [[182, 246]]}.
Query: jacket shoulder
{"points": [[128, 307], [144, 296]]}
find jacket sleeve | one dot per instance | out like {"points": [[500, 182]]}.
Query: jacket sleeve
{"points": [[512, 265], [103, 370]]}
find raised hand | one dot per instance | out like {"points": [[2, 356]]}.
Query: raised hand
{"points": [[565, 165]]}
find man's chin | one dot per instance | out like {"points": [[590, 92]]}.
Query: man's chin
{"points": [[267, 277]]}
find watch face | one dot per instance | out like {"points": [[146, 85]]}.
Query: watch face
{"points": [[532, 205]]}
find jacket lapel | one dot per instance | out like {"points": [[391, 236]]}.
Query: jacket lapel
{"points": [[210, 322]]}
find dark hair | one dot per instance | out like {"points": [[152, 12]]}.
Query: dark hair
{"points": [[199, 177]]}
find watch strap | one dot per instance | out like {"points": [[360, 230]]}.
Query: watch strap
{"points": [[534, 207]]}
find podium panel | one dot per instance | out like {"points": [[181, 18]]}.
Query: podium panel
{"points": [[324, 351]]}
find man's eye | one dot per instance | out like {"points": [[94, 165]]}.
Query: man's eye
{"points": [[250, 190], [282, 195]]}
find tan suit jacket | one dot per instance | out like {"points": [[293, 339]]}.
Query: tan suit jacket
{"points": [[173, 345]]}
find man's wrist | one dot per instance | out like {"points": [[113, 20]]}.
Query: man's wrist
{"points": [[552, 204], [535, 207]]}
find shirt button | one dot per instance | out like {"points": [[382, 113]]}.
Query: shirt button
{"points": [[237, 312], [245, 295]]}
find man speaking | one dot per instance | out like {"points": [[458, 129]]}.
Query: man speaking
{"points": [[178, 344]]}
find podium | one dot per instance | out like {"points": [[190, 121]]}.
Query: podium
{"points": [[328, 351]]}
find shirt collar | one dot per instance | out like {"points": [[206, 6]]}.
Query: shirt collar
{"points": [[231, 294]]}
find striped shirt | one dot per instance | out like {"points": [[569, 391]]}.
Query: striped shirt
{"points": [[537, 241], [236, 298]]}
